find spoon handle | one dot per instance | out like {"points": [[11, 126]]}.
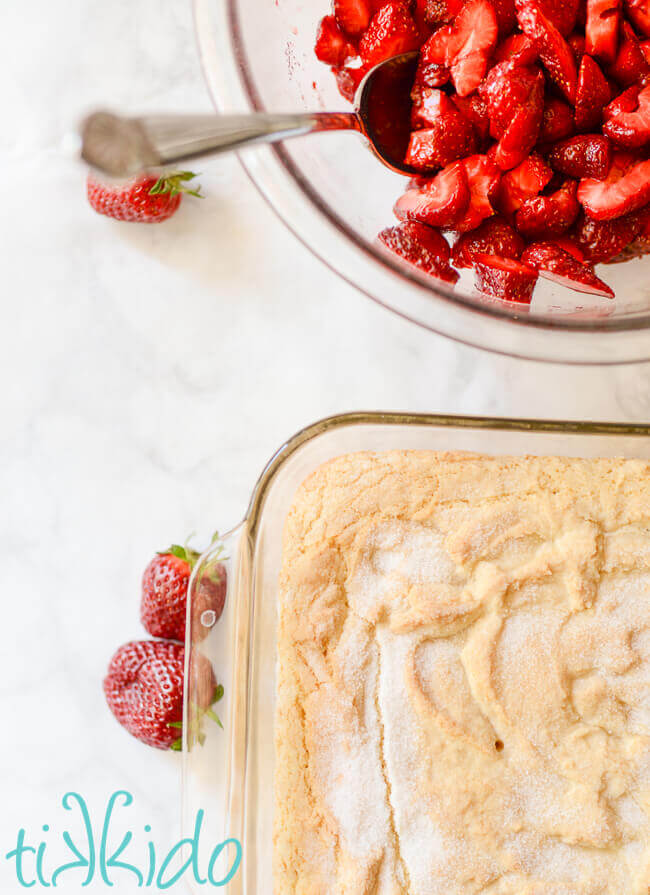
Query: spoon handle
{"points": [[123, 147]]}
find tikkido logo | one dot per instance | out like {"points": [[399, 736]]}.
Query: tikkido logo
{"points": [[97, 860]]}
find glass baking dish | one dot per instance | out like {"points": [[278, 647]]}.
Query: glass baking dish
{"points": [[230, 774]]}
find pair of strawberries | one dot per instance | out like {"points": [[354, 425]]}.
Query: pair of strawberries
{"points": [[530, 127], [145, 680]]}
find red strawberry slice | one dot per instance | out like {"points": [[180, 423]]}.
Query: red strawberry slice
{"points": [[557, 121], [462, 48], [630, 65], [638, 11], [544, 216], [506, 16], [563, 14], [619, 194], [603, 23], [483, 178], [474, 108], [447, 134], [555, 53], [493, 237], [508, 86], [348, 80], [586, 155], [554, 263], [437, 11], [353, 16], [603, 240], [518, 48], [570, 246], [522, 183], [440, 201], [629, 127], [592, 95], [332, 46], [421, 246], [391, 32], [504, 278], [577, 43]]}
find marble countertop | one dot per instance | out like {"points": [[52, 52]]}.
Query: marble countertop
{"points": [[148, 375]]}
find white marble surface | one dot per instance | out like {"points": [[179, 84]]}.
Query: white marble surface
{"points": [[148, 374]]}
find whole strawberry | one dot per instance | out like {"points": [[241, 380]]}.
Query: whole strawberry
{"points": [[147, 199], [144, 690], [164, 595]]}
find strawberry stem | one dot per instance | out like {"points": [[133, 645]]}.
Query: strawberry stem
{"points": [[175, 184]]}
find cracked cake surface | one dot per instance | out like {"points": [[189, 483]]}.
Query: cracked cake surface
{"points": [[463, 688]]}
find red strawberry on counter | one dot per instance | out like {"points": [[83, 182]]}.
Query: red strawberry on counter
{"points": [[163, 606], [148, 199], [144, 690]]}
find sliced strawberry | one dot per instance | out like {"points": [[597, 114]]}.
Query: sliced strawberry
{"points": [[353, 16], [493, 237], [483, 178], [603, 23], [577, 43], [332, 46], [570, 246], [592, 95], [544, 216], [504, 278], [348, 80], [474, 108], [630, 65], [437, 11], [506, 16], [603, 240], [447, 134], [524, 182], [507, 87], [557, 121], [516, 47], [554, 263], [462, 48], [629, 126], [563, 14], [645, 46], [440, 201], [638, 12], [391, 32], [619, 194], [421, 246], [586, 155], [553, 49]]}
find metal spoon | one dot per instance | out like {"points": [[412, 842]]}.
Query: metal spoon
{"points": [[124, 147]]}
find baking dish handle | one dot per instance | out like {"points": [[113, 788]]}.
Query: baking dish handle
{"points": [[214, 703]]}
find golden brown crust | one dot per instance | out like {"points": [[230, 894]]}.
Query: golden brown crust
{"points": [[464, 678]]}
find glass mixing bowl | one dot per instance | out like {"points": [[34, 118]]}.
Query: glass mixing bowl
{"points": [[335, 196]]}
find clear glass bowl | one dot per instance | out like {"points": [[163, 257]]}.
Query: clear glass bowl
{"points": [[335, 196], [230, 775]]}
